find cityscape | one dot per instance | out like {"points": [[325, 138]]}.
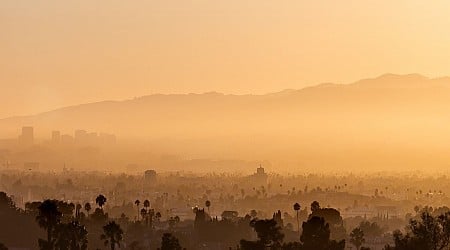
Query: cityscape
{"points": [[224, 125]]}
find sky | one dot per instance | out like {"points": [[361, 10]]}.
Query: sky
{"points": [[59, 53]]}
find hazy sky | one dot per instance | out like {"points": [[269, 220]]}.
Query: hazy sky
{"points": [[57, 53]]}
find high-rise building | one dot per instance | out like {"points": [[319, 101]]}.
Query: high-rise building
{"points": [[81, 136], [27, 136], [56, 137], [66, 139]]}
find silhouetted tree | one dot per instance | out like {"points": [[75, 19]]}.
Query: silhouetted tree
{"points": [[71, 236], [426, 233], [169, 242], [297, 208], [357, 237], [334, 219], [3, 247], [87, 207], [315, 206], [77, 210], [146, 204], [48, 218], [112, 234], [370, 229], [208, 204], [316, 236], [158, 216], [137, 203], [100, 200], [268, 233]]}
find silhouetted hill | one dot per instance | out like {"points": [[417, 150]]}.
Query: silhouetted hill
{"points": [[396, 118]]}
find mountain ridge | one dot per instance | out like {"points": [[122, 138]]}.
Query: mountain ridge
{"points": [[414, 78]]}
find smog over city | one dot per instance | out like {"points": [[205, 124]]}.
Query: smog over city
{"points": [[224, 125]]}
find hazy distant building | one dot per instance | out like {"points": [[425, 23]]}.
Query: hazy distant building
{"points": [[260, 177], [150, 176], [107, 139], [27, 136], [56, 137], [66, 139], [81, 136]]}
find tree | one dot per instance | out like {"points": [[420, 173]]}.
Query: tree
{"points": [[137, 203], [297, 208], [77, 210], [3, 247], [6, 202], [48, 218], [170, 242], [268, 233], [370, 229], [316, 236], [146, 204], [100, 200], [315, 206], [143, 213], [112, 234], [426, 233], [71, 236], [208, 204], [334, 219], [158, 216], [87, 207], [357, 237]]}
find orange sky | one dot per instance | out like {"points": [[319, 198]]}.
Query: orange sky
{"points": [[58, 53]]}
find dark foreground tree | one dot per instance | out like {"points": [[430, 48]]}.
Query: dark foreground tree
{"points": [[3, 247], [316, 236], [426, 233], [268, 233], [112, 234], [71, 236], [297, 208], [170, 242], [100, 200], [48, 218], [357, 237]]}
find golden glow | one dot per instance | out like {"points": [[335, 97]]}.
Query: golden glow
{"points": [[57, 53]]}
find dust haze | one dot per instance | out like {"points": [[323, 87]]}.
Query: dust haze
{"points": [[392, 122]]}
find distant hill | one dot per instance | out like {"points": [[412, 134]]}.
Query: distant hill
{"points": [[391, 119]]}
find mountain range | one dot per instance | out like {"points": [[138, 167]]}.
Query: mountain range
{"points": [[389, 120]]}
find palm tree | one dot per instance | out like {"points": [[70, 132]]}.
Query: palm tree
{"points": [[48, 218], [158, 216], [87, 207], [77, 210], [146, 204], [151, 214], [208, 204], [112, 234], [137, 202], [100, 200], [297, 208], [143, 213]]}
